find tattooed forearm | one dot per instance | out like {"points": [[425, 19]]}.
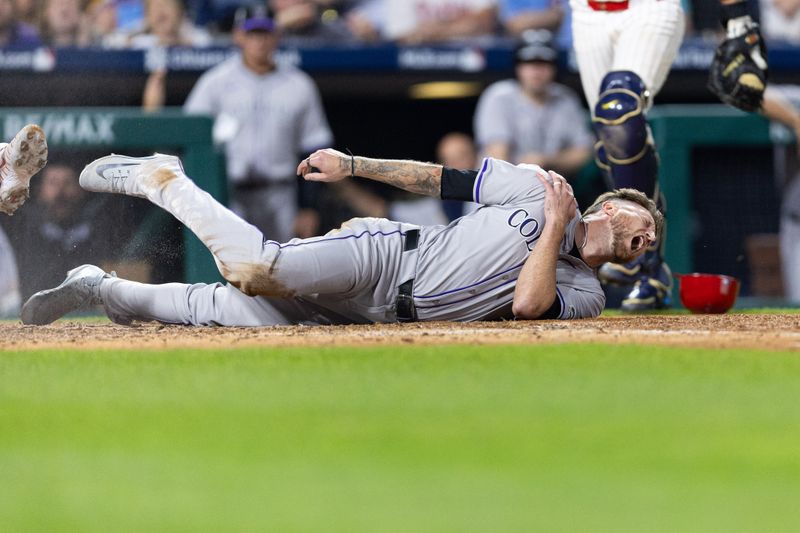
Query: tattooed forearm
{"points": [[412, 176]]}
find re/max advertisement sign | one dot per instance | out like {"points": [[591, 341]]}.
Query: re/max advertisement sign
{"points": [[65, 128]]}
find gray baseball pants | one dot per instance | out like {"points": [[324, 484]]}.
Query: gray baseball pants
{"points": [[350, 275]]}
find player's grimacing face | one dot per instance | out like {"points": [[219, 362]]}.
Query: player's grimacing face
{"points": [[633, 231]]}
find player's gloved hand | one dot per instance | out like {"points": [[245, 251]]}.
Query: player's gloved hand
{"points": [[326, 165], [738, 74]]}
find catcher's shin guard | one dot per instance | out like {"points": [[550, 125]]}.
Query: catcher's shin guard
{"points": [[620, 124], [601, 160], [649, 279]]}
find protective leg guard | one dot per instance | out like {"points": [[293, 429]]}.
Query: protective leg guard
{"points": [[626, 152], [652, 291], [601, 160], [620, 124]]}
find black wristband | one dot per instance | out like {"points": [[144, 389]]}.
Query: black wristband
{"points": [[458, 184], [733, 11]]}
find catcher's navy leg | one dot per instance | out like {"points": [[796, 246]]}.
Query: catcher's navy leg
{"points": [[601, 160], [626, 154], [620, 124]]}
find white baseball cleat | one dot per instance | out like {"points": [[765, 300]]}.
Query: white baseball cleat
{"points": [[134, 176], [81, 289], [20, 159]]}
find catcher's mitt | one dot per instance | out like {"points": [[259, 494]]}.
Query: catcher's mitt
{"points": [[738, 73]]}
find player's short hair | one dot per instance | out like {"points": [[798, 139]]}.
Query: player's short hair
{"points": [[629, 195]]}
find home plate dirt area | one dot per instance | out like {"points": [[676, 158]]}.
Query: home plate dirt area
{"points": [[750, 331]]}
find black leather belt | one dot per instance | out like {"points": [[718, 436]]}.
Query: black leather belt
{"points": [[406, 311]]}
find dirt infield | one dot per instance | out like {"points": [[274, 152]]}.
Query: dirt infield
{"points": [[772, 332]]}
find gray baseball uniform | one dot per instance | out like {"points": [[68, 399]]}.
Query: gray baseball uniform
{"points": [[269, 118], [10, 297], [266, 122], [505, 114], [787, 170], [463, 271]]}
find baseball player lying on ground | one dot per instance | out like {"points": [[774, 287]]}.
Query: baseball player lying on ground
{"points": [[528, 253]]}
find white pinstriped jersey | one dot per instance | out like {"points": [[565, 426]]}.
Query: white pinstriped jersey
{"points": [[468, 269], [644, 38]]}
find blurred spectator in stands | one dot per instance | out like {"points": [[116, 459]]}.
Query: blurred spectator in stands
{"points": [[366, 20], [58, 230], [100, 21], [27, 11], [303, 19], [128, 14], [424, 21], [780, 20], [10, 298], [269, 117], [215, 15], [457, 150], [62, 23], [166, 24], [782, 104], [532, 119], [518, 16], [15, 34]]}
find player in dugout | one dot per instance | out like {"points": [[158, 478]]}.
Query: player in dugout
{"points": [[528, 253]]}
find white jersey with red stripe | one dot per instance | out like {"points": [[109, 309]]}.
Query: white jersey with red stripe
{"points": [[642, 36]]}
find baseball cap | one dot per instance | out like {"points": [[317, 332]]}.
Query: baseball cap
{"points": [[253, 18], [536, 45]]}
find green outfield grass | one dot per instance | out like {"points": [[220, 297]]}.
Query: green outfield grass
{"points": [[548, 438]]}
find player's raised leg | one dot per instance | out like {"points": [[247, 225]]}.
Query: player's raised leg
{"points": [[342, 264], [235, 244], [20, 159]]}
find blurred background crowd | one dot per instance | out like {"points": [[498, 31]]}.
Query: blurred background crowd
{"points": [[146, 23], [268, 116]]}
